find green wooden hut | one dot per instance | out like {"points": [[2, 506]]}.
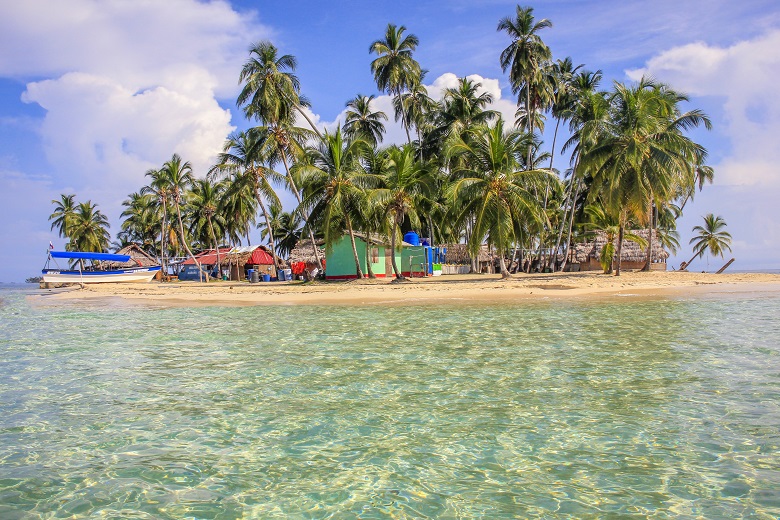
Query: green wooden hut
{"points": [[340, 260]]}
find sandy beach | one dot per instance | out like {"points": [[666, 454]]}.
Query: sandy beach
{"points": [[453, 289]]}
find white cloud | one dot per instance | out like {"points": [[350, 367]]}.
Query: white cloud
{"points": [[741, 81], [745, 76]]}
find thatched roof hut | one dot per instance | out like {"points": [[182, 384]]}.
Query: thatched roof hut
{"points": [[253, 255], [459, 254], [304, 252], [631, 251], [138, 258]]}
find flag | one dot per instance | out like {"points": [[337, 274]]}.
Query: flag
{"points": [[51, 246]]}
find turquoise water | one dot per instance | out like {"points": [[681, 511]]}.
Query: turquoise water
{"points": [[626, 407]]}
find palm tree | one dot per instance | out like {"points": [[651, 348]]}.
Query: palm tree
{"points": [[463, 108], [239, 205], [64, 211], [415, 105], [286, 228], [394, 69], [242, 156], [277, 144], [271, 90], [362, 122], [711, 237], [176, 175], [588, 114], [600, 219], [405, 185], [89, 229], [642, 155], [492, 190], [204, 201], [525, 55], [334, 181], [159, 189], [141, 222]]}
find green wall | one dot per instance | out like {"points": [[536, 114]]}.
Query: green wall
{"points": [[340, 261]]}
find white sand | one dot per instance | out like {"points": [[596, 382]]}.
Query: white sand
{"points": [[454, 289]]}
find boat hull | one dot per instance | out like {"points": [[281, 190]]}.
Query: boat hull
{"points": [[137, 274]]}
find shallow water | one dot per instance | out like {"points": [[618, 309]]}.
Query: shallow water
{"points": [[663, 408]]}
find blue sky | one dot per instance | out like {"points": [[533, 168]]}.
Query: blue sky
{"points": [[95, 92]]}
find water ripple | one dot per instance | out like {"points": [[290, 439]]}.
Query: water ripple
{"points": [[661, 409]]}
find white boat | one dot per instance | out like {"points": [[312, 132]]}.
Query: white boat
{"points": [[93, 273]]}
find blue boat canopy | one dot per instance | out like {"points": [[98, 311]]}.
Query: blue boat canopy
{"points": [[108, 257]]}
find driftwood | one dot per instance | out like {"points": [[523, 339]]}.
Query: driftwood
{"points": [[725, 266]]}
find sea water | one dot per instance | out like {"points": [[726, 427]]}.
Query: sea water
{"points": [[645, 407]]}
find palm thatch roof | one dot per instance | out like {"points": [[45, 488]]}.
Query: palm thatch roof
{"points": [[459, 254], [304, 252], [242, 255], [138, 258], [631, 251]]}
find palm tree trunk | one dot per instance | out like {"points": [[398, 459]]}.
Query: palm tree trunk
{"points": [[369, 256], [403, 117], [358, 270], [187, 247], [267, 225], [305, 213], [216, 246], [571, 223], [530, 116], [620, 244], [504, 271], [163, 232], [398, 275], [554, 259], [299, 108], [649, 237]]}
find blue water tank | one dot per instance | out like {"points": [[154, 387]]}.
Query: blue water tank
{"points": [[412, 238]]}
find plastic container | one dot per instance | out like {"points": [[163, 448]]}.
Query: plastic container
{"points": [[266, 277], [412, 238], [288, 276]]}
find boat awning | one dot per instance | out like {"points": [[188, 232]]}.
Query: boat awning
{"points": [[79, 255]]}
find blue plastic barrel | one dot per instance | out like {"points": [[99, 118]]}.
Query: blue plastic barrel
{"points": [[412, 238], [266, 277]]}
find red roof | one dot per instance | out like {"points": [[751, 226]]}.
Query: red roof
{"points": [[260, 257], [208, 257]]}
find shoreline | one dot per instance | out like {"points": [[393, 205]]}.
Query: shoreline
{"points": [[452, 289]]}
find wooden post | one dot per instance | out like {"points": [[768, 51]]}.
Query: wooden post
{"points": [[725, 266]]}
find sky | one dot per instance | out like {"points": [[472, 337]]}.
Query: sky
{"points": [[93, 93]]}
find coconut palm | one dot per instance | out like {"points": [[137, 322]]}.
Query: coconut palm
{"points": [[363, 122], [286, 227], [64, 211], [405, 185], [239, 205], [206, 221], [176, 176], [642, 155], [525, 55], [271, 90], [415, 105], [334, 180], [242, 156], [394, 69], [88, 229], [492, 190], [141, 222], [159, 188], [601, 219], [281, 143], [711, 237]]}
